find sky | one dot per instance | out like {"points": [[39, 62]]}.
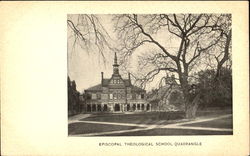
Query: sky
{"points": [[85, 68]]}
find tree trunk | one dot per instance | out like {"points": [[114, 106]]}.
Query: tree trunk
{"points": [[191, 106]]}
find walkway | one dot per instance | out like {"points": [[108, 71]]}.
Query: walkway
{"points": [[154, 126]]}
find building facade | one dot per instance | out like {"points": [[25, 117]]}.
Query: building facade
{"points": [[116, 95], [168, 97]]}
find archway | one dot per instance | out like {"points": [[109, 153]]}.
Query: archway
{"points": [[117, 107], [138, 107], [128, 107], [134, 107], [148, 107], [88, 108], [93, 108], [142, 107], [105, 108], [99, 108]]}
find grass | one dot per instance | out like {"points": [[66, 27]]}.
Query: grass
{"points": [[219, 123], [84, 128], [139, 118], [166, 131], [163, 118], [213, 112]]}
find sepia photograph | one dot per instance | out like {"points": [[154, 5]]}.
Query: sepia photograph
{"points": [[121, 78], [149, 74]]}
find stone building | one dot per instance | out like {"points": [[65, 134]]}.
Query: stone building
{"points": [[115, 94], [73, 98], [168, 97]]}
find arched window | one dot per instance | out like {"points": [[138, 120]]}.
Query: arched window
{"points": [[115, 96]]}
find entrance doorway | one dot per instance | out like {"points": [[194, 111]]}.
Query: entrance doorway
{"points": [[88, 108], [138, 107], [148, 107], [99, 108], [142, 107], [134, 107], [128, 107], [117, 107], [105, 108], [94, 108]]}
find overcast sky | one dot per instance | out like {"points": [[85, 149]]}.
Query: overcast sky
{"points": [[85, 68]]}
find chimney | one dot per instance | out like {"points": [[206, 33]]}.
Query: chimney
{"points": [[102, 77], [129, 78]]}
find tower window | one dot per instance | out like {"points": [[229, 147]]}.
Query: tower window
{"points": [[110, 96]]}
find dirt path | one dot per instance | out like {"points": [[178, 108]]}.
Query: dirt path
{"points": [[153, 126]]}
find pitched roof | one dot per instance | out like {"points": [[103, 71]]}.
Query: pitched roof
{"points": [[135, 88], [105, 82], [96, 87], [162, 92], [127, 82]]}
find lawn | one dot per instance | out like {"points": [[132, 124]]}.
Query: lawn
{"points": [[166, 131], [159, 118], [84, 128], [213, 112], [219, 123], [139, 118]]}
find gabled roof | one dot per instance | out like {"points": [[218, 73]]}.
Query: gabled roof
{"points": [[105, 82], [162, 92], [95, 88], [135, 88], [127, 82]]}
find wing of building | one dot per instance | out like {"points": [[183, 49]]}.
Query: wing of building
{"points": [[116, 94], [168, 97]]}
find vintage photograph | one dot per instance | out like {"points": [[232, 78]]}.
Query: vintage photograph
{"points": [[149, 74]]}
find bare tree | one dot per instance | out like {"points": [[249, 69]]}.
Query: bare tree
{"points": [[185, 41], [87, 32]]}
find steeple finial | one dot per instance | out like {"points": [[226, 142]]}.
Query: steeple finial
{"points": [[115, 66], [115, 59]]}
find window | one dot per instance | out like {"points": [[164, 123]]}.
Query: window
{"points": [[115, 96], [88, 96], [104, 96], [98, 96], [133, 96], [81, 98], [142, 96], [94, 96], [119, 96], [138, 96], [110, 96]]}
